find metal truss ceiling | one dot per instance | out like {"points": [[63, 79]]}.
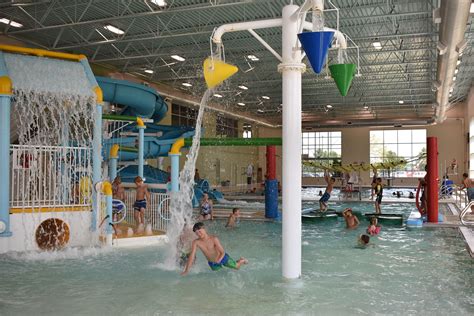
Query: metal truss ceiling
{"points": [[403, 70]]}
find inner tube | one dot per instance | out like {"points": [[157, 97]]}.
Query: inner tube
{"points": [[417, 198]]}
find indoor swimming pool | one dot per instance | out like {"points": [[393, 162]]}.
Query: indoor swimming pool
{"points": [[414, 272]]}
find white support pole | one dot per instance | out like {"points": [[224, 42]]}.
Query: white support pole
{"points": [[291, 69]]}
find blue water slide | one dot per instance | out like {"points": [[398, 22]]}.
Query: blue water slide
{"points": [[139, 100]]}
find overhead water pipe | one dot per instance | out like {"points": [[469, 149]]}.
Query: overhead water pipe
{"points": [[96, 137], [454, 17], [113, 160], [174, 154], [141, 143], [6, 92], [107, 191]]}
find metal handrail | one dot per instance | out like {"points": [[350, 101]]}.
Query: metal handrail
{"points": [[466, 210]]}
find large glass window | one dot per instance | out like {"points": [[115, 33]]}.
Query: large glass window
{"points": [[323, 148], [227, 127], [392, 145], [183, 115]]}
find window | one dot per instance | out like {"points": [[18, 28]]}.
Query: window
{"points": [[471, 148], [226, 126], [391, 145], [247, 131], [183, 115], [323, 148]]}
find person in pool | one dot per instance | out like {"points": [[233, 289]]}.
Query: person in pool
{"points": [[351, 220], [206, 208], [374, 228], [323, 201], [233, 218], [363, 241], [213, 251]]}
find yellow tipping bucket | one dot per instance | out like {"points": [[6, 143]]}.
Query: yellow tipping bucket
{"points": [[216, 71]]}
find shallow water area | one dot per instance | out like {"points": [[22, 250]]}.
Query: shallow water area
{"points": [[404, 272]]}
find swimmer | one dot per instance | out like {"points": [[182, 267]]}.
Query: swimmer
{"points": [[213, 251], [351, 220], [323, 201], [233, 218], [185, 244], [206, 208], [373, 228], [363, 241]]}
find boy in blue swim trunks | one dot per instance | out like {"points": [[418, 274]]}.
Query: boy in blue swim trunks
{"points": [[212, 250], [142, 196], [323, 201]]}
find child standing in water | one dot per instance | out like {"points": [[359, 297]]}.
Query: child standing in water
{"points": [[373, 228], [351, 220], [233, 218], [141, 198], [323, 201], [378, 190]]}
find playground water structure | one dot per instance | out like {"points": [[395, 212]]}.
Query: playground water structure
{"points": [[391, 277]]}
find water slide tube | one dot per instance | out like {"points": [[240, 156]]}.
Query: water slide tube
{"points": [[144, 102]]}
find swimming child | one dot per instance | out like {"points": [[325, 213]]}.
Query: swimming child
{"points": [[378, 190], [139, 207], [351, 220], [323, 201], [373, 228], [206, 208], [233, 218], [363, 241], [213, 251]]}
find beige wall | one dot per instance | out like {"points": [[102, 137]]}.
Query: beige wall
{"points": [[451, 144]]}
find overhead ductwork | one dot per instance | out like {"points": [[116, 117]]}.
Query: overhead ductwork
{"points": [[454, 15]]}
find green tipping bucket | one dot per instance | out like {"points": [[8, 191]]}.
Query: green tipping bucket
{"points": [[343, 75]]}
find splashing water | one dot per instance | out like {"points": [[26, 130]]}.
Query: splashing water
{"points": [[52, 114], [181, 202]]}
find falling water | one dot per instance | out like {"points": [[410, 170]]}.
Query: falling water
{"points": [[52, 110], [181, 202]]}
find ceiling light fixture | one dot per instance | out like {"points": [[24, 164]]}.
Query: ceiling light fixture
{"points": [[456, 71], [253, 57], [451, 90], [114, 29], [241, 104], [265, 97], [178, 58], [366, 107], [377, 45], [160, 3], [149, 71], [471, 10], [260, 111], [243, 87], [458, 62], [329, 106], [454, 78], [187, 84], [401, 102], [217, 95], [10, 22]]}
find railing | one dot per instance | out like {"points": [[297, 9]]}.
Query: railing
{"points": [[156, 213], [48, 176], [467, 209], [460, 198]]}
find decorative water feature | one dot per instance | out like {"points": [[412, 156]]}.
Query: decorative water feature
{"points": [[53, 100]]}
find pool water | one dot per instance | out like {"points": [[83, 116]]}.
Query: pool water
{"points": [[405, 272]]}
